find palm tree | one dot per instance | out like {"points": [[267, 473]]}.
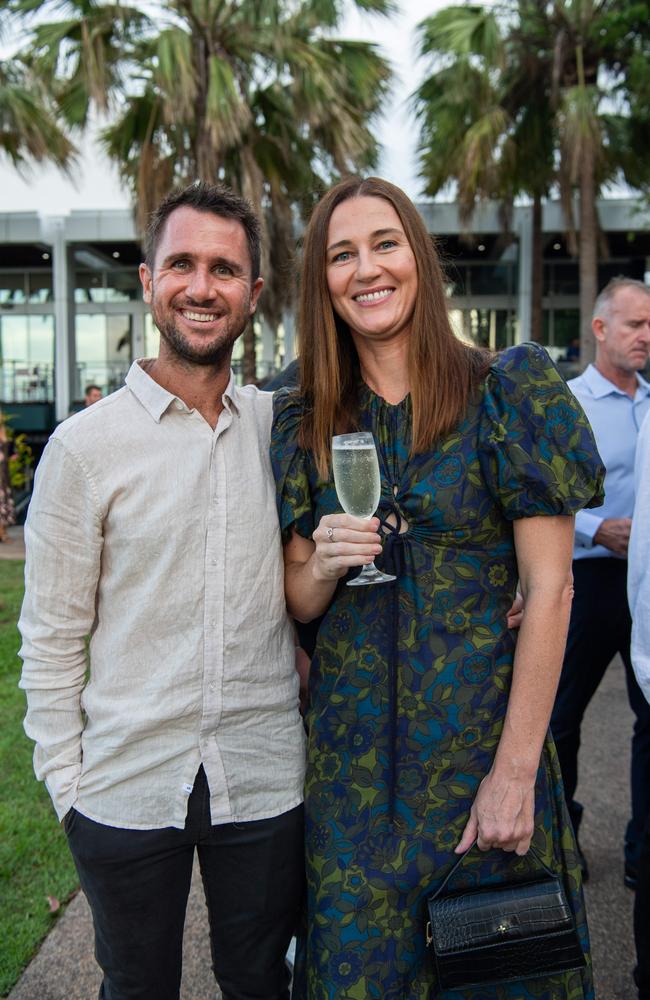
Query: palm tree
{"points": [[258, 94], [482, 105], [29, 130], [547, 72]]}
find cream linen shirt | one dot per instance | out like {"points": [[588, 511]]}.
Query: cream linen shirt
{"points": [[159, 537]]}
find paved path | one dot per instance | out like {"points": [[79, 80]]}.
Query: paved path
{"points": [[14, 546], [64, 968]]}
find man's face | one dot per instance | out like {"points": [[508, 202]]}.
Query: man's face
{"points": [[623, 331], [200, 289], [92, 396]]}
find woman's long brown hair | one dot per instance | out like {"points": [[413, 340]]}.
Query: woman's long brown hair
{"points": [[442, 370]]}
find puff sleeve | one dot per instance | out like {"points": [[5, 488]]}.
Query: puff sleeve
{"points": [[536, 448], [290, 465]]}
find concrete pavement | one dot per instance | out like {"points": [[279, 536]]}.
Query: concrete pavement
{"points": [[14, 546]]}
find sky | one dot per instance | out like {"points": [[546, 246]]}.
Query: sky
{"points": [[95, 184]]}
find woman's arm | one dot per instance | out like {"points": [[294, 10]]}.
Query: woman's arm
{"points": [[503, 811], [312, 568]]}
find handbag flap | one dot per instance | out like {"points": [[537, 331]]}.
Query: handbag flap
{"points": [[498, 914]]}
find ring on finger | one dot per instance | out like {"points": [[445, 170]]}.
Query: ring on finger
{"points": [[330, 534]]}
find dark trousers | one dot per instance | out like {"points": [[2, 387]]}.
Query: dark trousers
{"points": [[642, 919], [599, 628], [137, 883]]}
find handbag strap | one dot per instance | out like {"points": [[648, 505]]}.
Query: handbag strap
{"points": [[532, 850]]}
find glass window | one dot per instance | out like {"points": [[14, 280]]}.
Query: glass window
{"points": [[119, 339], [618, 269], [151, 338], [14, 339], [566, 280], [455, 279], [26, 357], [40, 286], [561, 327], [547, 281], [103, 345], [90, 331], [41, 340], [490, 279], [89, 287], [123, 286], [12, 289], [493, 328]]}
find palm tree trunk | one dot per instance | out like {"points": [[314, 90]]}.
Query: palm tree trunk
{"points": [[537, 273], [588, 258]]}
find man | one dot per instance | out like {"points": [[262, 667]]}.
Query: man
{"points": [[616, 399], [639, 595], [92, 394], [153, 528]]}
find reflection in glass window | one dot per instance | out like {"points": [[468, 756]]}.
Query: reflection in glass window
{"points": [[12, 289], [89, 287], [40, 286], [27, 340], [103, 345], [561, 327], [123, 286], [490, 279], [566, 280], [26, 357]]}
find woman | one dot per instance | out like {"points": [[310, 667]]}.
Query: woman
{"points": [[427, 730]]}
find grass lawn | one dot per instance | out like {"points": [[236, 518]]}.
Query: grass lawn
{"points": [[34, 858]]}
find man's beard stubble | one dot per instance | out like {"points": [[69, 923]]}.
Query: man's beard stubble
{"points": [[214, 353]]}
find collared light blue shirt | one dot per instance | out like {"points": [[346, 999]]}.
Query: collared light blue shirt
{"points": [[615, 419]]}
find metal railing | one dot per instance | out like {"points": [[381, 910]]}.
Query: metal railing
{"points": [[22, 383]]}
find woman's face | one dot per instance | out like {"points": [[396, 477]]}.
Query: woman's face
{"points": [[371, 271]]}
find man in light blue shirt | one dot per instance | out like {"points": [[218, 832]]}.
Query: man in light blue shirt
{"points": [[616, 399]]}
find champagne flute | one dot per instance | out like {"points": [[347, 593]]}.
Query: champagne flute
{"points": [[358, 487]]}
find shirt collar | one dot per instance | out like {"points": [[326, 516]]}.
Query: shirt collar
{"points": [[601, 386], [157, 400]]}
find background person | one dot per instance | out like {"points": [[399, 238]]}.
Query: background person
{"points": [[615, 398], [639, 597], [153, 528], [422, 736], [92, 394]]}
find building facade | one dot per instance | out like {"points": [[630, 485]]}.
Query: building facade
{"points": [[71, 310]]}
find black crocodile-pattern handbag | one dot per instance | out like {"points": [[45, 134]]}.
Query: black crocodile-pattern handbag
{"points": [[502, 933]]}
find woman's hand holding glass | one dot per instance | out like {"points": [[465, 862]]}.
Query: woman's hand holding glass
{"points": [[343, 542]]}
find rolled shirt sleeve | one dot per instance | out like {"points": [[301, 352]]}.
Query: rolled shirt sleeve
{"points": [[63, 535]]}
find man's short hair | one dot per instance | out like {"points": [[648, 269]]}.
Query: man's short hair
{"points": [[215, 198], [90, 387], [604, 300]]}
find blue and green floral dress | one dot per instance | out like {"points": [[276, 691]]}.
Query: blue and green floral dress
{"points": [[409, 682]]}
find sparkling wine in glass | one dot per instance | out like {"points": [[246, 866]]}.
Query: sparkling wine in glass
{"points": [[358, 487]]}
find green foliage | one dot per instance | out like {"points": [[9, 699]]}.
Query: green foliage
{"points": [[21, 459], [259, 94], [530, 98], [29, 127], [34, 858]]}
